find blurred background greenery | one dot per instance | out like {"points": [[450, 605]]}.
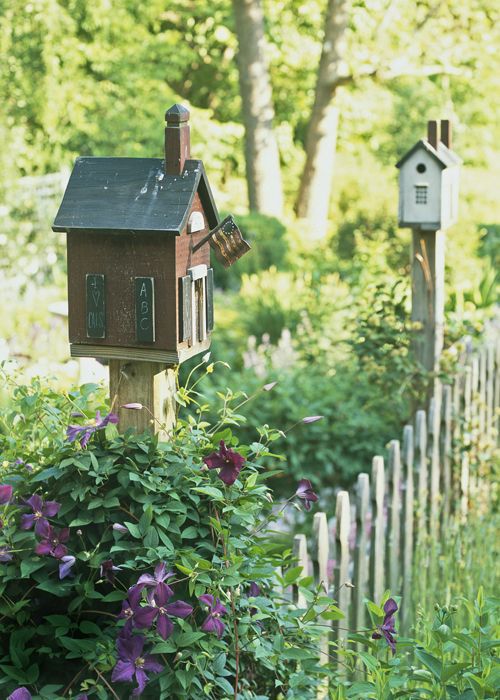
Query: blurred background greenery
{"points": [[324, 315]]}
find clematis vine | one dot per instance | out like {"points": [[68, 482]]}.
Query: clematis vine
{"points": [[5, 554], [20, 694], [228, 461], [162, 610], [133, 662], [212, 622], [83, 433], [41, 511], [157, 581], [130, 606], [387, 628], [5, 494], [52, 542], [306, 493], [107, 570], [65, 566]]}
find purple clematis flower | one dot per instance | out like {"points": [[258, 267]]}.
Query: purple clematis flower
{"points": [[21, 463], [254, 590], [65, 567], [132, 662], [107, 570], [130, 608], [83, 433], [228, 461], [5, 494], [52, 542], [306, 493], [212, 622], [5, 554], [162, 610], [20, 694], [387, 628], [157, 581], [41, 511]]}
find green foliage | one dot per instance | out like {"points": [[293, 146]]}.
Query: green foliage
{"points": [[214, 538]]}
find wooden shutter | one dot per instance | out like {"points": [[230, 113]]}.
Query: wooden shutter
{"points": [[185, 308], [210, 299]]}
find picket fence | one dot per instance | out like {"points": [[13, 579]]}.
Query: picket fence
{"points": [[432, 476]]}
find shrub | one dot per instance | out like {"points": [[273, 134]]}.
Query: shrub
{"points": [[128, 555]]}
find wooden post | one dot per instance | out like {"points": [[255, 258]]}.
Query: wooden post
{"points": [[421, 467], [342, 530], [434, 461], [394, 534], [490, 388], [148, 383], [465, 462], [446, 447], [320, 563], [408, 520], [361, 555], [427, 273], [378, 531]]}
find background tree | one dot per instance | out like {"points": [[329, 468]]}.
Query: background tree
{"points": [[265, 193]]}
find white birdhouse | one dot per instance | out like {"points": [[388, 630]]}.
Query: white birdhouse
{"points": [[429, 180]]}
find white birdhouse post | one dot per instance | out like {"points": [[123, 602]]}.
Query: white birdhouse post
{"points": [[428, 203]]}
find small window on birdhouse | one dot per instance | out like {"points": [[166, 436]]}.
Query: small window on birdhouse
{"points": [[420, 194], [197, 304]]}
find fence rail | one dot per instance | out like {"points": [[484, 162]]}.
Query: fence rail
{"points": [[433, 475]]}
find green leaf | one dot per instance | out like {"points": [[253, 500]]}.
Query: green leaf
{"points": [[298, 653], [185, 639], [133, 529], [430, 662], [292, 575], [28, 566], [151, 538], [210, 491], [190, 533]]}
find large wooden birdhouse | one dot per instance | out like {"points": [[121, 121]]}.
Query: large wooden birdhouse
{"points": [[140, 285], [429, 181]]}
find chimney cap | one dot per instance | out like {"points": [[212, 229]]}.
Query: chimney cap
{"points": [[176, 114]]}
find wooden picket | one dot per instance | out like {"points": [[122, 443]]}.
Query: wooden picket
{"points": [[394, 516]]}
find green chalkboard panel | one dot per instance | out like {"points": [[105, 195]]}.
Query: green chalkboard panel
{"points": [[145, 309], [96, 306]]}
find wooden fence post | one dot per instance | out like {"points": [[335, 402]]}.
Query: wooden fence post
{"points": [[320, 564], [434, 455], [408, 520], [421, 466], [342, 531], [148, 383], [446, 446], [378, 530], [490, 391], [466, 438], [394, 520], [361, 556]]}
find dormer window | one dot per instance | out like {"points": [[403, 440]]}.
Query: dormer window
{"points": [[421, 194]]}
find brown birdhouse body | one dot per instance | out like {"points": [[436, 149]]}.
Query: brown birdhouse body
{"points": [[138, 287]]}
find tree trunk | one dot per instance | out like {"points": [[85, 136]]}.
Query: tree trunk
{"points": [[265, 192], [316, 180]]}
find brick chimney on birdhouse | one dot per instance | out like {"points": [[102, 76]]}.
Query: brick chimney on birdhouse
{"points": [[177, 139]]}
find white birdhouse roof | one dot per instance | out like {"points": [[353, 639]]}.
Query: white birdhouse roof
{"points": [[442, 155]]}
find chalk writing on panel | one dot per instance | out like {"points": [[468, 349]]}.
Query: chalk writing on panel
{"points": [[144, 309], [95, 307]]}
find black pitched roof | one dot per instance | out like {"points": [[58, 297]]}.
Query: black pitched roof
{"points": [[132, 194], [443, 155]]}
